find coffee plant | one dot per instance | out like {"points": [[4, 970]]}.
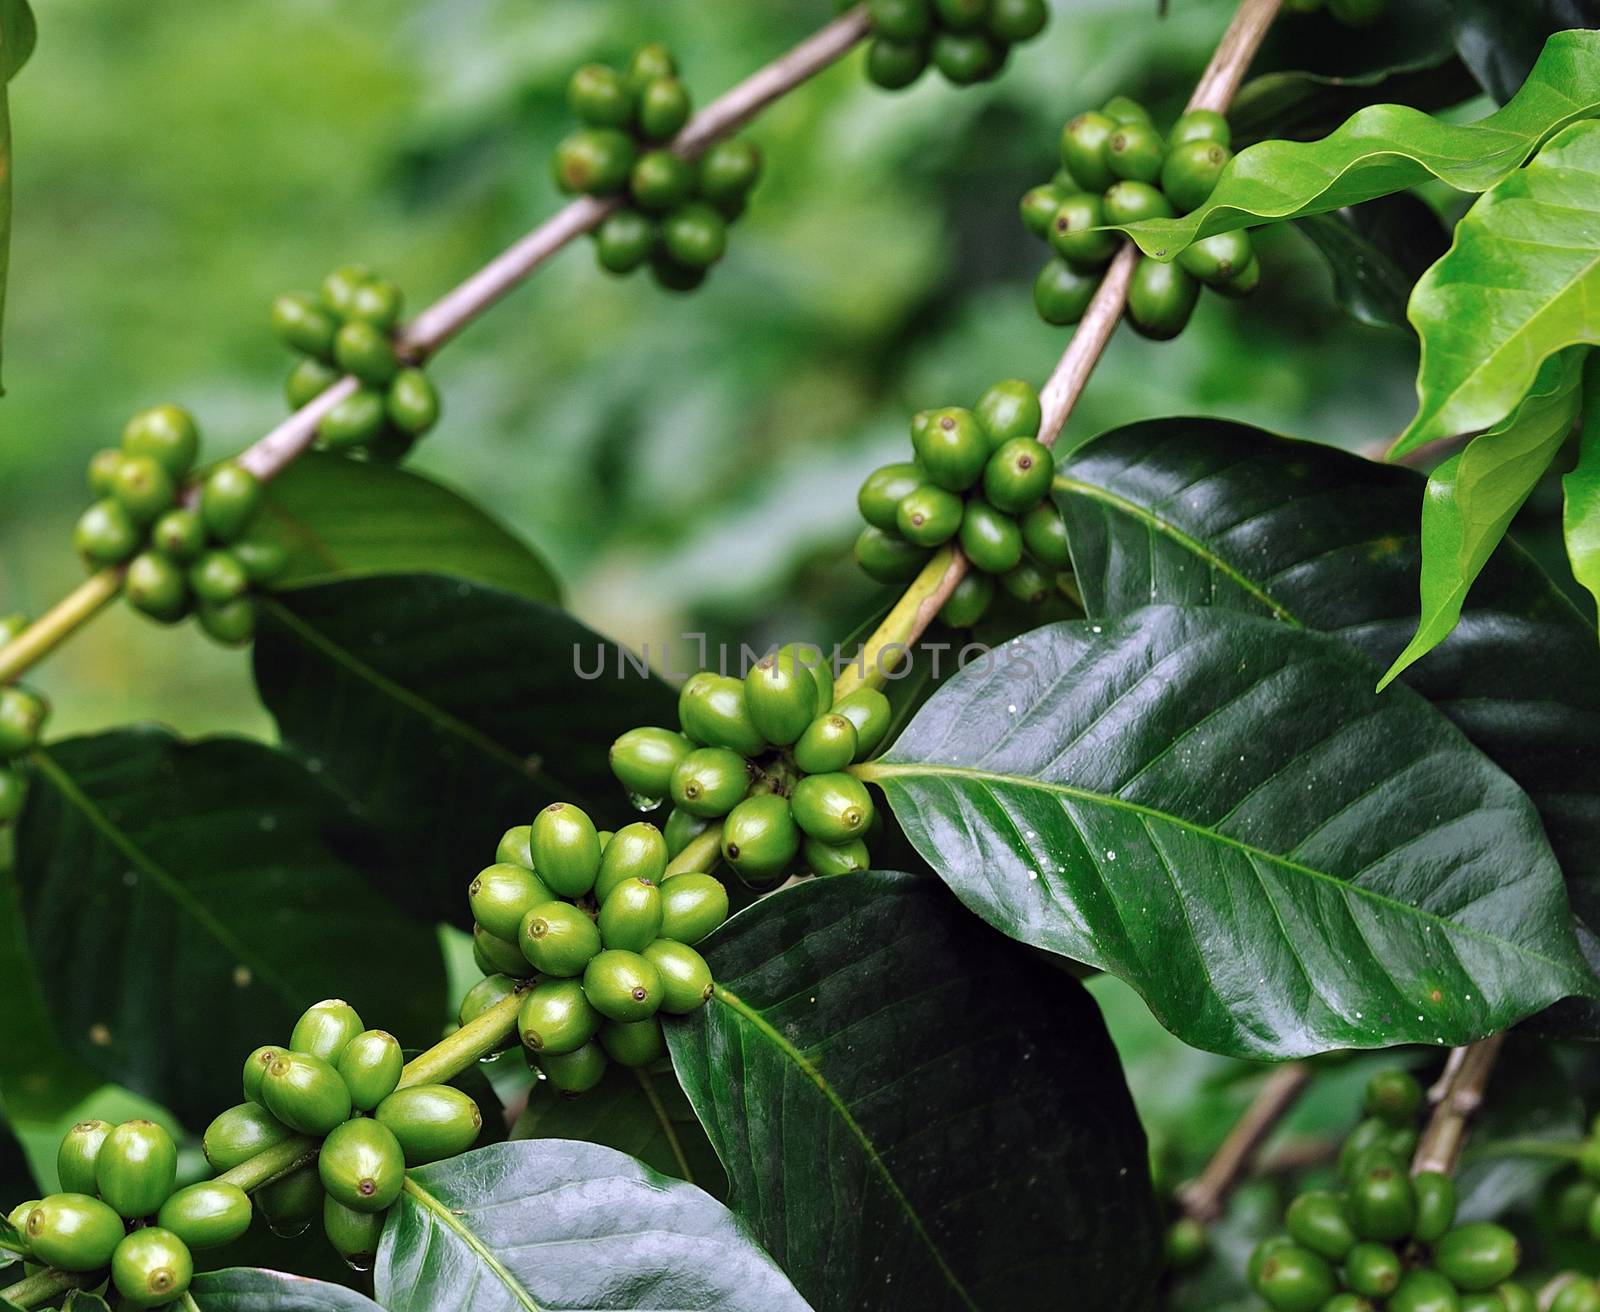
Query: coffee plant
{"points": [[840, 975]]}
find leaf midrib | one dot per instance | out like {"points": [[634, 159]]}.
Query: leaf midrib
{"points": [[451, 1222], [878, 771], [769, 1032]]}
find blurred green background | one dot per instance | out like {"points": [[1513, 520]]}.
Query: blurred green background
{"points": [[684, 462]]}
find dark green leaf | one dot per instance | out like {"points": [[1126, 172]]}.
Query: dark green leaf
{"points": [[344, 518], [448, 711], [80, 1300], [1390, 148], [913, 1112], [1580, 516], [1521, 281], [547, 1224], [18, 36], [1500, 39], [1298, 106], [1376, 252], [646, 1116], [1219, 809], [253, 1289], [185, 901]]}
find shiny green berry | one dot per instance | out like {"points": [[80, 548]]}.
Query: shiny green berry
{"points": [[969, 601], [710, 781], [308, 380], [575, 1072], [103, 466], [952, 448], [1201, 125], [694, 235], [1161, 297], [1076, 235], [556, 1017], [624, 241], [411, 403], [829, 743], [1044, 533], [1436, 1205], [1316, 1220], [17, 1219], [376, 301], [887, 557], [566, 849], [692, 905], [207, 1215], [1190, 173], [622, 985], [929, 516], [960, 15], [1038, 207], [833, 807], [1017, 20], [515, 847], [488, 992], [1018, 475], [781, 696], [302, 322], [264, 558], [371, 1063], [634, 1043], [364, 350], [431, 1121], [661, 180], [290, 1204], [1424, 1291], [361, 1164], [1515, 1298], [75, 1159], [1135, 152], [232, 623], [22, 717], [502, 894], [497, 956], [151, 1267], [559, 938], [105, 533], [883, 490], [1083, 150], [355, 421], [966, 58], [229, 499], [241, 1132], [685, 978], [894, 64], [354, 1235], [713, 712], [142, 487], [1187, 1243], [136, 1168], [218, 577], [1372, 1269], [1009, 409], [1134, 202], [1218, 259], [636, 851], [1125, 109], [1381, 1204], [650, 61], [904, 20], [727, 171], [835, 858], [73, 1232], [255, 1068], [1294, 1279], [990, 538], [870, 712], [681, 829], [643, 759], [600, 96], [338, 290], [663, 108], [324, 1028], [759, 837], [594, 162], [1393, 1096], [1476, 1256], [630, 917], [166, 434], [1062, 293], [1027, 583], [305, 1093]]}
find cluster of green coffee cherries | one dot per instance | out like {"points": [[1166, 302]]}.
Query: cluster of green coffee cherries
{"points": [[766, 756], [981, 477], [120, 1208], [597, 937], [1387, 1239], [966, 40], [674, 212], [1576, 1211], [1117, 168], [186, 543], [347, 327], [1352, 13], [22, 716]]}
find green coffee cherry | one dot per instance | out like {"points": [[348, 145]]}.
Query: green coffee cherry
{"points": [[685, 978], [105, 533], [324, 1028], [303, 323], [1009, 409], [1027, 583], [600, 96], [594, 162], [431, 1121], [1017, 20], [354, 1235], [888, 557], [1424, 1291], [229, 499], [1316, 1220], [358, 419], [1135, 152], [73, 1232], [556, 1017], [103, 466], [1294, 1279], [1190, 173], [142, 487], [370, 1066], [1201, 125], [488, 992], [575, 1072], [832, 807], [376, 301], [241, 1132], [218, 577], [361, 1165], [338, 289], [305, 1093], [1394, 1097], [672, 276], [136, 1167], [411, 403], [1477, 1256], [22, 717], [1018, 475], [1038, 208], [650, 61], [694, 235], [1161, 297], [1436, 1205], [1075, 233], [870, 712], [502, 894], [1218, 259], [1134, 202], [692, 905], [904, 20], [893, 64], [1514, 1298], [781, 696], [643, 759], [559, 938], [17, 1219], [815, 662], [1125, 109], [1242, 283], [1381, 1204], [263, 558], [1083, 150], [1061, 293], [13, 793], [566, 849], [952, 448], [630, 916], [710, 781], [1348, 1302], [624, 241], [960, 15], [633, 1043], [835, 858], [1044, 533], [969, 601], [663, 108], [967, 58], [636, 851], [883, 490], [829, 743], [365, 351], [1370, 1133], [759, 837], [232, 623], [308, 380], [680, 830], [661, 180], [990, 538], [929, 516], [713, 712], [1260, 1253], [727, 171], [207, 1215], [515, 846], [622, 985], [166, 434], [1372, 1269], [290, 1205], [1187, 1242], [75, 1158]]}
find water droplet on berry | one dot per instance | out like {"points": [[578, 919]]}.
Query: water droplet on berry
{"points": [[644, 805]]}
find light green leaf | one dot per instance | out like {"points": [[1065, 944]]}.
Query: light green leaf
{"points": [[1580, 518], [1389, 148], [1473, 497]]}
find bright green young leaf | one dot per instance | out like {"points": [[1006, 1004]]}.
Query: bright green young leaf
{"points": [[1580, 519], [548, 1224], [1219, 809], [179, 898], [644, 1115], [1473, 497], [1389, 148], [449, 711], [1376, 252], [1520, 282], [254, 1289], [915, 1113], [343, 518]]}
